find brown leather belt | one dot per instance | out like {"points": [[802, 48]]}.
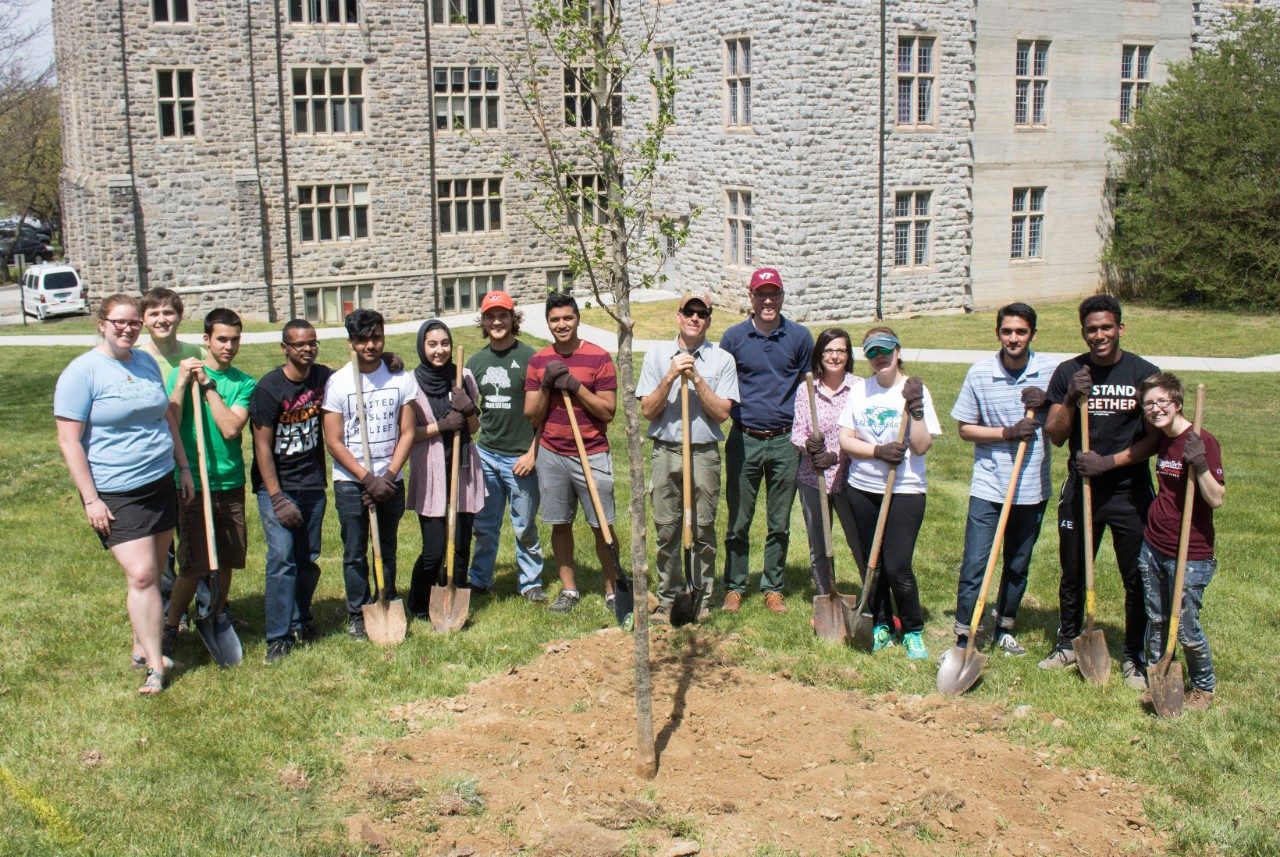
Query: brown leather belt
{"points": [[758, 434]]}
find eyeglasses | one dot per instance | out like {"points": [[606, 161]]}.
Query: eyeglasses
{"points": [[125, 324], [878, 352], [308, 344], [834, 352], [1157, 405], [703, 314]]}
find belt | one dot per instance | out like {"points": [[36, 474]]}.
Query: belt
{"points": [[764, 434]]}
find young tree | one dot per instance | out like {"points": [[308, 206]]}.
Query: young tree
{"points": [[1197, 210], [20, 72]]}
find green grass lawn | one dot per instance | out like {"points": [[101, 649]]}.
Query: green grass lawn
{"points": [[88, 768]]}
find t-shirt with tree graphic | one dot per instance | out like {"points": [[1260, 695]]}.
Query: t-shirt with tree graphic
{"points": [[500, 375]]}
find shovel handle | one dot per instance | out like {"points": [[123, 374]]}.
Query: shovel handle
{"points": [[586, 471], [1184, 539], [363, 419], [873, 559], [822, 477], [451, 515], [1086, 491], [206, 496], [686, 464]]}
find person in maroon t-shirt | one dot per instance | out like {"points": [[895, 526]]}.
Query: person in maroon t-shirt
{"points": [[1180, 448], [586, 372]]}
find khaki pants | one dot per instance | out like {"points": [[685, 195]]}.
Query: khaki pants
{"points": [[667, 500]]}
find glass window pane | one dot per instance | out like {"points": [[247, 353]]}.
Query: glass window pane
{"points": [[330, 305], [1015, 249], [362, 221], [904, 56]]}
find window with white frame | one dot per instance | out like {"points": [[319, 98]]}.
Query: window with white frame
{"points": [[912, 224], [469, 205], [474, 13], [738, 229], [1031, 83], [467, 98], [579, 104], [324, 11], [560, 280], [1135, 78], [589, 196], [176, 102], [170, 11], [328, 100], [332, 304], [462, 294], [737, 80], [333, 212], [1027, 238], [664, 75], [915, 81]]}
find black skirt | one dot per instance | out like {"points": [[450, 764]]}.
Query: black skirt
{"points": [[141, 512]]}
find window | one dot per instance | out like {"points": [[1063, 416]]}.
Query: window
{"points": [[461, 294], [1027, 241], [560, 281], [912, 217], [176, 102], [467, 98], [737, 79], [664, 75], [328, 100], [1031, 93], [170, 12], [738, 228], [334, 303], [469, 205], [475, 13], [579, 105], [333, 212], [915, 81], [587, 194], [324, 11], [1135, 77]]}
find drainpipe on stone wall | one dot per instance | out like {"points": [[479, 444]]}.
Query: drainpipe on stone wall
{"points": [[431, 158], [880, 126], [264, 233], [284, 166], [139, 238]]}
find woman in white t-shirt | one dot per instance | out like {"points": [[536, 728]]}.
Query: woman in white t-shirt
{"points": [[868, 433]]}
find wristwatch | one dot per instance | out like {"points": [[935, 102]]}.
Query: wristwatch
{"points": [[208, 386]]}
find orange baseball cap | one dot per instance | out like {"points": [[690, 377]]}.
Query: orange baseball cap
{"points": [[496, 300]]}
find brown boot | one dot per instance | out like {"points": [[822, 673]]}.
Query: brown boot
{"points": [[773, 602], [732, 602], [1198, 699]]}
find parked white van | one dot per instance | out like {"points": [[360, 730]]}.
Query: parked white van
{"points": [[53, 289]]}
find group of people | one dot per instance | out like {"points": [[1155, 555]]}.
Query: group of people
{"points": [[127, 425]]}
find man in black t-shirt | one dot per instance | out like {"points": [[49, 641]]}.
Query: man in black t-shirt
{"points": [[1120, 444]]}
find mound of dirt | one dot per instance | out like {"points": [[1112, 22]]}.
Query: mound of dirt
{"points": [[539, 762]]}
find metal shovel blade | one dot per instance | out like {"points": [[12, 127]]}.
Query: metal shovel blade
{"points": [[863, 633], [440, 607], [228, 641], [828, 618], [955, 675], [209, 636], [1092, 657], [1167, 693], [624, 601], [385, 622], [459, 608], [682, 609]]}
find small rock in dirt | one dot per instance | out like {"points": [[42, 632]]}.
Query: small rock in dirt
{"points": [[556, 648], [459, 851], [682, 848], [1021, 711], [746, 754], [944, 818], [91, 758], [830, 814]]}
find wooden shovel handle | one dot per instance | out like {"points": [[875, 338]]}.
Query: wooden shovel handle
{"points": [[822, 477], [873, 559], [1086, 491], [686, 464], [363, 419], [451, 515], [206, 496], [1184, 538], [586, 469]]}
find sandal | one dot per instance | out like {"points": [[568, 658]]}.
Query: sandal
{"points": [[140, 662], [153, 685]]}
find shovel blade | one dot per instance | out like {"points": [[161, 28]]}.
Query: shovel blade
{"points": [[209, 636], [385, 622], [682, 612], [1092, 657], [828, 618], [459, 607], [955, 674], [228, 641], [862, 634], [440, 607], [624, 601], [1167, 693]]}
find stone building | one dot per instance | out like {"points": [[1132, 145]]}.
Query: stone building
{"points": [[911, 155]]}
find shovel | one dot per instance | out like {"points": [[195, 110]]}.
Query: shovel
{"points": [[623, 600], [1091, 647], [1165, 678], [449, 605], [217, 632], [863, 630], [960, 668], [834, 615], [685, 607], [384, 621]]}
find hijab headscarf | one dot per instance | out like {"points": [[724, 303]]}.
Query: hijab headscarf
{"points": [[436, 382]]}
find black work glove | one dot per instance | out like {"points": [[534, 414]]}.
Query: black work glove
{"points": [[452, 421], [369, 502], [815, 443], [392, 361], [1090, 464], [566, 383], [890, 453], [913, 393], [1193, 452], [380, 488], [824, 459], [287, 511], [1023, 429], [551, 372], [1079, 386], [1033, 398], [462, 403]]}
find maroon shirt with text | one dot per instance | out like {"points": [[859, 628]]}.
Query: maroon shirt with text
{"points": [[1164, 518]]}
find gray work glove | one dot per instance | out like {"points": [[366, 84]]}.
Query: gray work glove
{"points": [[287, 511]]}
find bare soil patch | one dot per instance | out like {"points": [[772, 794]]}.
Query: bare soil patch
{"points": [[539, 762]]}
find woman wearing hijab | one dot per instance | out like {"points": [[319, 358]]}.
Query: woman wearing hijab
{"points": [[443, 410]]}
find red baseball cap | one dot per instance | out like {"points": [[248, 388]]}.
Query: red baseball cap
{"points": [[496, 300], [765, 277]]}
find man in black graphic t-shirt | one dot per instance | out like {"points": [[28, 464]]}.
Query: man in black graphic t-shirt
{"points": [[1120, 444]]}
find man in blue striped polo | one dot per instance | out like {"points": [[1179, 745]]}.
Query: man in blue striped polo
{"points": [[991, 410]]}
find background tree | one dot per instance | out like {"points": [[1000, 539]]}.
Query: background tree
{"points": [[20, 73], [1197, 203]]}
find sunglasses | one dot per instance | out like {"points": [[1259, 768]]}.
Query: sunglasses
{"points": [[703, 314], [878, 352]]}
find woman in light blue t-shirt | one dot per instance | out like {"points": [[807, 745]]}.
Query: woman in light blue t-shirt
{"points": [[120, 442]]}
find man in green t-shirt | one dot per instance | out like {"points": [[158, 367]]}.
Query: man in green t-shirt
{"points": [[508, 450], [225, 392]]}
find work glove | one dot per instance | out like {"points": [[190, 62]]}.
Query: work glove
{"points": [[392, 361], [1193, 452], [890, 453], [369, 502], [566, 383], [451, 422], [287, 511], [1079, 386], [1023, 429], [824, 459], [551, 372], [1090, 464], [1033, 398], [815, 443], [462, 403], [380, 488], [913, 393]]}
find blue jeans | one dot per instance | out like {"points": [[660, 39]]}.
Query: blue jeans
{"points": [[1158, 572], [520, 493], [1020, 536], [292, 571], [353, 519]]}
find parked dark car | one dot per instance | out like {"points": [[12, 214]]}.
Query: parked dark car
{"points": [[33, 245]]}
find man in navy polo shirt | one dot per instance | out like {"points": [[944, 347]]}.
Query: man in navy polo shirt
{"points": [[772, 355]]}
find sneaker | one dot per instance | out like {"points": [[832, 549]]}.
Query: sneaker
{"points": [[914, 644], [355, 628], [566, 600], [1198, 699], [1060, 658], [477, 591], [307, 633], [169, 641], [276, 651], [881, 638], [1008, 644], [661, 616], [773, 602], [535, 595], [732, 602], [1133, 673]]}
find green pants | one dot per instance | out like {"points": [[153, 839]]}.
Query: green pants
{"points": [[666, 495], [750, 461]]}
